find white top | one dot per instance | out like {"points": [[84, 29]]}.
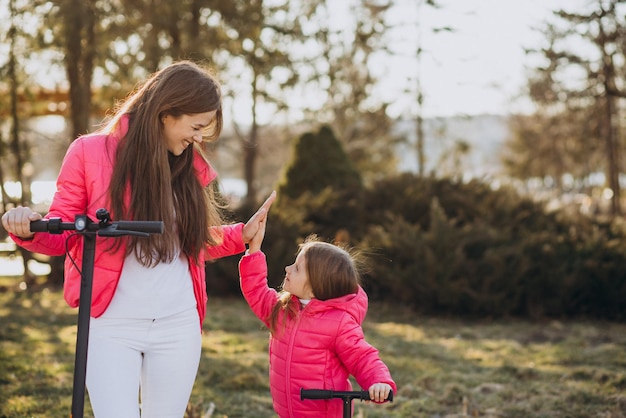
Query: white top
{"points": [[152, 292]]}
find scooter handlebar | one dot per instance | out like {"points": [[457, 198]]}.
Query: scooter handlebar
{"points": [[55, 226], [328, 394]]}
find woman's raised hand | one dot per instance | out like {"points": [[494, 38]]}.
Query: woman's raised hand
{"points": [[257, 220]]}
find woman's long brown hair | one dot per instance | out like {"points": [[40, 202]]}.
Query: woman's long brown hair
{"points": [[161, 186]]}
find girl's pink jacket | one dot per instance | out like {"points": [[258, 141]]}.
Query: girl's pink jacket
{"points": [[318, 349], [82, 187]]}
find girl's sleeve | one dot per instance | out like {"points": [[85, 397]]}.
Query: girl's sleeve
{"points": [[360, 358], [253, 281], [232, 242]]}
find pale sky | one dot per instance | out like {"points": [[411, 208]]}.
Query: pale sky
{"points": [[478, 69], [481, 67]]}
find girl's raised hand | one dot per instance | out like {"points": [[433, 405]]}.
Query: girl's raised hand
{"points": [[251, 227], [255, 243], [256, 225]]}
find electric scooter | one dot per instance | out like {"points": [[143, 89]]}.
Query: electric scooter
{"points": [[89, 230]]}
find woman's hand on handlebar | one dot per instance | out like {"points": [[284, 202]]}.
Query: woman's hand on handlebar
{"points": [[379, 392], [17, 221]]}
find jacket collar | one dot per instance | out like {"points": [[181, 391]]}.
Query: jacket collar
{"points": [[354, 304]]}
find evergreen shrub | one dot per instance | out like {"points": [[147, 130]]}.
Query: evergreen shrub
{"points": [[443, 246]]}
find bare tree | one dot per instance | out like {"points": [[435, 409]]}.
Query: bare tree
{"points": [[79, 29], [258, 38], [592, 105], [19, 149], [340, 69]]}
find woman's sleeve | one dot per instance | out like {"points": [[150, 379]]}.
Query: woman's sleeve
{"points": [[231, 242], [69, 200]]}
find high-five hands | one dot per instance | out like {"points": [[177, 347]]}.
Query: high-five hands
{"points": [[254, 229]]}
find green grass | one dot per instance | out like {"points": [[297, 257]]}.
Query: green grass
{"points": [[443, 367]]}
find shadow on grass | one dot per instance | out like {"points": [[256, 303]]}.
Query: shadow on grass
{"points": [[452, 367], [37, 345], [443, 367]]}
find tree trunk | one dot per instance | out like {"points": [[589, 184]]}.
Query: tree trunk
{"points": [[80, 45], [80, 53], [613, 154], [612, 134], [250, 154]]}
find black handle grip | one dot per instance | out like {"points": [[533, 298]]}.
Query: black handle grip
{"points": [[328, 394], [150, 227], [315, 394], [39, 226], [52, 225]]}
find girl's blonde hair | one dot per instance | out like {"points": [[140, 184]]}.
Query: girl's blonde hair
{"points": [[333, 271]]}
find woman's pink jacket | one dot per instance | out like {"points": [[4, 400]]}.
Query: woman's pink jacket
{"points": [[82, 187], [318, 349]]}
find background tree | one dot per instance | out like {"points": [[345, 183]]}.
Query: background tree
{"points": [[419, 93], [19, 44], [320, 192], [318, 161], [257, 40], [71, 29], [18, 149], [576, 118], [343, 74], [79, 24], [604, 28]]}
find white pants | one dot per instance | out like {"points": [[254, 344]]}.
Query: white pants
{"points": [[143, 367]]}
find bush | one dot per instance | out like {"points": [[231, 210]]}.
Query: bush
{"points": [[483, 252], [449, 248]]}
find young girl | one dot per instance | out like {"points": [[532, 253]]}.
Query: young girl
{"points": [[316, 338]]}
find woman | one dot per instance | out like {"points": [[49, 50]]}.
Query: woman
{"points": [[149, 293]]}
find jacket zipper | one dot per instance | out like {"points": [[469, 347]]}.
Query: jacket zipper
{"points": [[288, 362]]}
